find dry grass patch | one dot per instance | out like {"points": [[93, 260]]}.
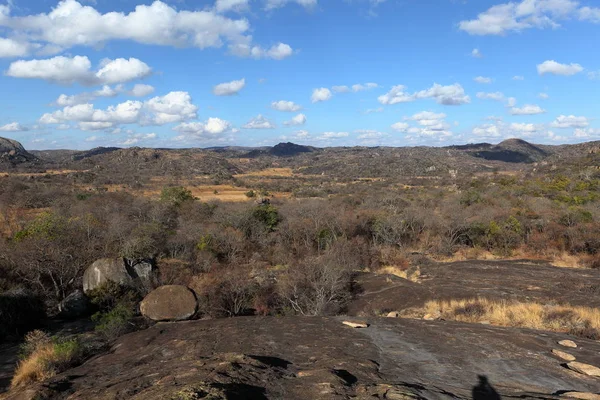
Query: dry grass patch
{"points": [[412, 274], [575, 320], [278, 172], [43, 358]]}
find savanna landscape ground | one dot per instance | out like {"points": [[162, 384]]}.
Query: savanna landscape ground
{"points": [[466, 265]]}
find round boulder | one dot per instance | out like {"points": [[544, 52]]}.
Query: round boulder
{"points": [[169, 303], [103, 271], [74, 305]]}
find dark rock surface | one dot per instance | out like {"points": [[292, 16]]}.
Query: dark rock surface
{"points": [[508, 280], [320, 358]]}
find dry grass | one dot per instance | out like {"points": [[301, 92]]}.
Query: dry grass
{"points": [[44, 359], [412, 275], [37, 174], [559, 259], [579, 321], [276, 172], [35, 368]]}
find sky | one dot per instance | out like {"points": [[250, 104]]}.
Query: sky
{"points": [[203, 73]]}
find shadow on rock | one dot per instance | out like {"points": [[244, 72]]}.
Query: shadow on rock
{"points": [[484, 390]]}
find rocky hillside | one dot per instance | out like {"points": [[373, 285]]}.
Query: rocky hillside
{"points": [[322, 358], [13, 152]]}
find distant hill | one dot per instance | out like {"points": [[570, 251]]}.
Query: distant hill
{"points": [[510, 150], [282, 150], [13, 152]]}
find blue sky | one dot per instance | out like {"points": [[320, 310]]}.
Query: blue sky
{"points": [[328, 73]]}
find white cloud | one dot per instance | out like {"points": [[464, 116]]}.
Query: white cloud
{"points": [[77, 69], [400, 126], [259, 122], [222, 6], [229, 88], [160, 110], [141, 90], [299, 119], [359, 87], [82, 98], [496, 96], [374, 110], [341, 89], [13, 127], [555, 68], [518, 78], [590, 14], [486, 131], [543, 96], [122, 70], [527, 109], [72, 24], [518, 16], [501, 130], [525, 128], [447, 95], [476, 53], [272, 4], [366, 86], [511, 102], [211, 128], [594, 75], [321, 94], [483, 79], [137, 138], [333, 135], [396, 95], [278, 51], [570, 121], [430, 125], [94, 126], [287, 106], [173, 107], [13, 48], [365, 134], [586, 133], [431, 120]]}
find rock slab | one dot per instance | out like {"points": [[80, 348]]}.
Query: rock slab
{"points": [[169, 303], [568, 343], [564, 355], [585, 369]]}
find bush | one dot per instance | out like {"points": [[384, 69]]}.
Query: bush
{"points": [[44, 357], [317, 286], [110, 294], [114, 323], [176, 195], [227, 293], [267, 215]]}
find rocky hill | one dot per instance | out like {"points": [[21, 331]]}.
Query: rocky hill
{"points": [[321, 358], [510, 150], [13, 152]]}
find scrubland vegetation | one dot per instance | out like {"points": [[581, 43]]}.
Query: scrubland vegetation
{"points": [[291, 243]]}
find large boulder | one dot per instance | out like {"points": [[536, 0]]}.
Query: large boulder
{"points": [[106, 270], [74, 305], [169, 303], [144, 272]]}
